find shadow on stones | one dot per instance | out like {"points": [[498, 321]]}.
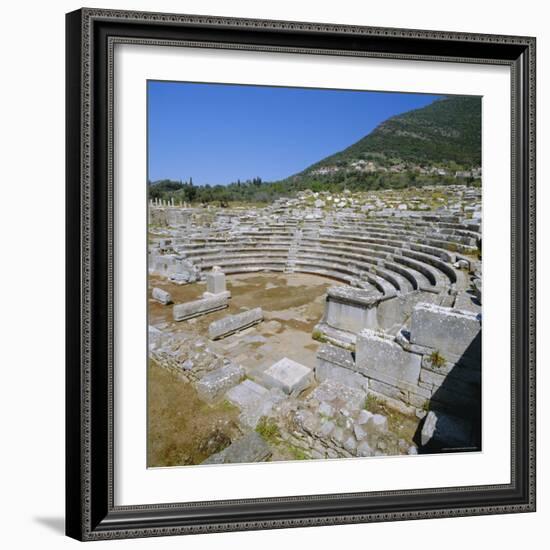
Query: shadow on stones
{"points": [[463, 407]]}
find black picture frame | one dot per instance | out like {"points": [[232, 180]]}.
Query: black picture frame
{"points": [[90, 510]]}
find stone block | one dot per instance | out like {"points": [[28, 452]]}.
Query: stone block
{"points": [[215, 281], [246, 393], [250, 448], [364, 449], [378, 357], [363, 417], [214, 384], [455, 334], [289, 376], [188, 310], [161, 296], [351, 309], [339, 395], [328, 371], [378, 422], [234, 323]]}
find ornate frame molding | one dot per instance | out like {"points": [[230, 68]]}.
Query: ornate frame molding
{"points": [[91, 36]]}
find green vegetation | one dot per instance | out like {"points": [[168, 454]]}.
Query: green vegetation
{"points": [[446, 131], [297, 453], [372, 403], [436, 359], [268, 429], [421, 147], [319, 336]]}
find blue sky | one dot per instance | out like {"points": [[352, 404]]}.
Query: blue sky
{"points": [[218, 133]]}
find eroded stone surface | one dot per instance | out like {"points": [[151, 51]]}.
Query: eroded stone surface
{"points": [[289, 376], [234, 323], [188, 310], [213, 385], [161, 296], [250, 448]]}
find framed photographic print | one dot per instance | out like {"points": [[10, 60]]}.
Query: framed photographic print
{"points": [[300, 274]]}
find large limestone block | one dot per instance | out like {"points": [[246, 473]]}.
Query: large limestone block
{"points": [[214, 384], [380, 358], [250, 448], [254, 401], [215, 281], [233, 323], [455, 334], [289, 376], [187, 310], [161, 296], [246, 394], [351, 309]]}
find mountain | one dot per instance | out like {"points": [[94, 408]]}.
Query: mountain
{"points": [[438, 144], [445, 133]]}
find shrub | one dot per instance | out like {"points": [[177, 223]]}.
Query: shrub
{"points": [[436, 359], [268, 429]]}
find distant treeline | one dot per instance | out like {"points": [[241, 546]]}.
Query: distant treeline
{"points": [[258, 191]]}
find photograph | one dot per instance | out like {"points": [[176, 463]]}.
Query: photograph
{"points": [[314, 285]]}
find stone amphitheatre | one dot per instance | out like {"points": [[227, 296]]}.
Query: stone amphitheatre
{"points": [[327, 325]]}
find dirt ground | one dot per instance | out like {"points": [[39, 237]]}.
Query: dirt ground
{"points": [[292, 305], [182, 429]]}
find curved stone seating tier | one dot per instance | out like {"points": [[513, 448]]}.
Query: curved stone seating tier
{"points": [[364, 265], [417, 280], [198, 255], [434, 262], [357, 272], [448, 241], [234, 269], [432, 275], [446, 270], [223, 261]]}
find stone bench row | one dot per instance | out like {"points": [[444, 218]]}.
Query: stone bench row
{"points": [[443, 241], [373, 266], [418, 253], [417, 274], [412, 236], [345, 252], [431, 240], [464, 231]]}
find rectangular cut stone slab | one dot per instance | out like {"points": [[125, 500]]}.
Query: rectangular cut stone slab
{"points": [[351, 309], [254, 401], [455, 334], [233, 323], [289, 376], [161, 296], [380, 358], [246, 394], [187, 310], [250, 448], [215, 282], [334, 363], [339, 395], [214, 384]]}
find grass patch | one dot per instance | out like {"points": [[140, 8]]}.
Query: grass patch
{"points": [[373, 404], [436, 359], [268, 429], [295, 452]]}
